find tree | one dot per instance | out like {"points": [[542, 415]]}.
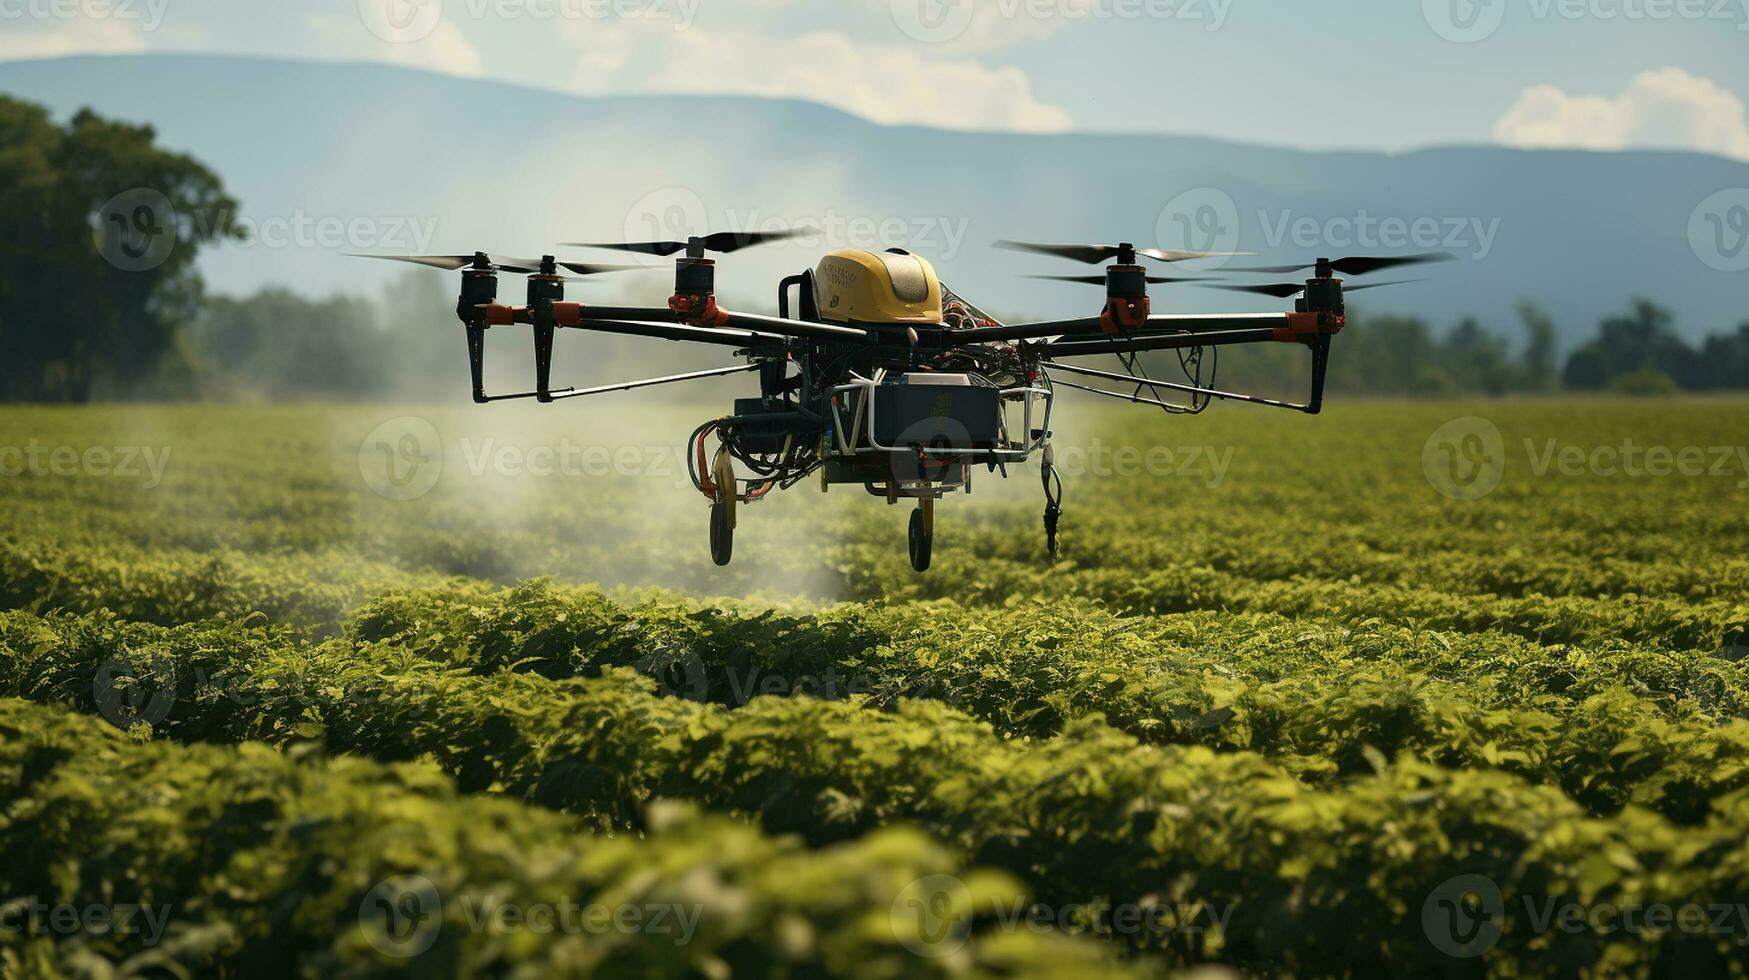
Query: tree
{"points": [[113, 223], [1644, 339], [1541, 346]]}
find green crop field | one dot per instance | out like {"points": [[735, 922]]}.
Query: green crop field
{"points": [[1411, 688]]}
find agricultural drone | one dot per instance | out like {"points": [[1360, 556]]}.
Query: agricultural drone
{"points": [[888, 380]]}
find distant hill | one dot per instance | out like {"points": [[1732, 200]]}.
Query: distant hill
{"points": [[486, 165]]}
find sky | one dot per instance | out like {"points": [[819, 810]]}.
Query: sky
{"points": [[1342, 74]]}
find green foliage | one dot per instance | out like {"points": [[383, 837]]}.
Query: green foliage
{"points": [[1308, 692], [69, 319], [266, 864]]}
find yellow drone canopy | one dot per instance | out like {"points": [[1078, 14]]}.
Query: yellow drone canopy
{"points": [[895, 287]]}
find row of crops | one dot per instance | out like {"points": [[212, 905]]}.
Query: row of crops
{"points": [[326, 733]]}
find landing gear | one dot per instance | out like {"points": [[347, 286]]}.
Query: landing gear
{"points": [[922, 534], [722, 535], [723, 510], [1053, 501]]}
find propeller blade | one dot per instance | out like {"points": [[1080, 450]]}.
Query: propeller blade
{"points": [[496, 263], [1360, 265], [733, 241], [1356, 265], [1170, 255], [1281, 289], [595, 269], [1380, 285], [1095, 254], [448, 263], [722, 242], [1100, 280], [1090, 254], [648, 248]]}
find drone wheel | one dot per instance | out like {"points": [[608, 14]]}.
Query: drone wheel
{"points": [[722, 535], [922, 540]]}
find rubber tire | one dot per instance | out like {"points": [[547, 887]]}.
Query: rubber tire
{"points": [[722, 536], [922, 545]]}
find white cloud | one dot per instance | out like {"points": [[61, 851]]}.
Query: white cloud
{"points": [[890, 84], [443, 48], [70, 37], [1663, 109]]}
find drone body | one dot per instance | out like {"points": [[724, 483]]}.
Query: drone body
{"points": [[887, 380]]}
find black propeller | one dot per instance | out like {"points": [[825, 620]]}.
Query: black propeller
{"points": [[1124, 254], [1100, 280], [1287, 289], [481, 261], [722, 242], [1356, 265]]}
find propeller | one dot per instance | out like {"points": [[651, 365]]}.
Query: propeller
{"points": [[1287, 289], [1125, 254], [1355, 265], [722, 242], [1100, 280], [545, 265]]}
